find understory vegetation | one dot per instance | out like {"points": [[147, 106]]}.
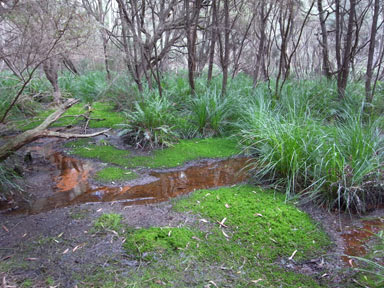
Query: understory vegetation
{"points": [[308, 144]]}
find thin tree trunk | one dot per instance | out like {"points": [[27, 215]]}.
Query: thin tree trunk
{"points": [[213, 42], [324, 43], [369, 75], [342, 77], [225, 63]]}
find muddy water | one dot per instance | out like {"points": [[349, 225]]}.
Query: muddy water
{"points": [[356, 237], [73, 185]]}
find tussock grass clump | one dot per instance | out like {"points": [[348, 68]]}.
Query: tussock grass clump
{"points": [[337, 165], [210, 112], [151, 123]]}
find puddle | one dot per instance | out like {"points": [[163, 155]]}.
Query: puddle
{"points": [[72, 184], [355, 238]]}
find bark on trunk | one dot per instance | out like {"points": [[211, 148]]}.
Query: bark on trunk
{"points": [[51, 68], [342, 77], [368, 88], [324, 41]]}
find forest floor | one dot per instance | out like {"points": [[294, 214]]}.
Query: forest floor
{"points": [[236, 236]]}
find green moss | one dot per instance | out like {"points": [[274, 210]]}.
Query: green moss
{"points": [[159, 240], [104, 153], [111, 221], [187, 150], [104, 111], [115, 174], [260, 228], [259, 220]]}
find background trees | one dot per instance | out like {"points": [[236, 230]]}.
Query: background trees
{"points": [[266, 39]]}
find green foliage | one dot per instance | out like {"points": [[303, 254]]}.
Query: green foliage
{"points": [[151, 123], [210, 112], [335, 165], [89, 87], [109, 221], [115, 174]]}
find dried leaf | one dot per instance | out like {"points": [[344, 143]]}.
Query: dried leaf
{"points": [[5, 228], [225, 234], [350, 262], [98, 210], [213, 283], [256, 281], [66, 251], [222, 223], [196, 238], [77, 247], [293, 255], [32, 259], [273, 240], [204, 220]]}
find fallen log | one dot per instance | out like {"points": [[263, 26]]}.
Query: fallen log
{"points": [[18, 141]]}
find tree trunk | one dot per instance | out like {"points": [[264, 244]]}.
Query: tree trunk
{"points": [[368, 80], [225, 63], [213, 41], [342, 77], [51, 68], [324, 43]]}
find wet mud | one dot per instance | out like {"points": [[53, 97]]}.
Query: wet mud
{"points": [[356, 238]]}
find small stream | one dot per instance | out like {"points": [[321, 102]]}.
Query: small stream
{"points": [[73, 184]]}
